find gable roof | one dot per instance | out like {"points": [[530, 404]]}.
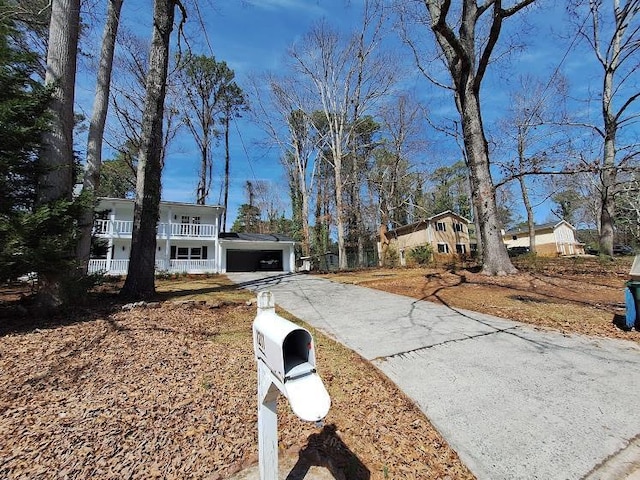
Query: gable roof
{"points": [[414, 227], [450, 213], [539, 227]]}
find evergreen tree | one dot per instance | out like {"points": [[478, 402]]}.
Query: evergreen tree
{"points": [[248, 220], [23, 103]]}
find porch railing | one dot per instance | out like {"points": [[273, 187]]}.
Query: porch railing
{"points": [[116, 267], [187, 266], [120, 267]]}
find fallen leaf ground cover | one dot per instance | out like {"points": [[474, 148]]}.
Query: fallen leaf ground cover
{"points": [[168, 390], [582, 295]]}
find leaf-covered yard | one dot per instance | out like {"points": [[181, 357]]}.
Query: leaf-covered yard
{"points": [[168, 390]]}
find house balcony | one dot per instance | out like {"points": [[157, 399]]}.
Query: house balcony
{"points": [[120, 267], [124, 228]]}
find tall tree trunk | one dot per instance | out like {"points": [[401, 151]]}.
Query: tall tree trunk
{"points": [[322, 214], [607, 192], [304, 216], [226, 169], [91, 180], [358, 222], [56, 183], [608, 172], [140, 276], [203, 184], [57, 155], [525, 193], [340, 214], [468, 59], [495, 258], [530, 221]]}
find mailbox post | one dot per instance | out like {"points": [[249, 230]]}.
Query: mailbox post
{"points": [[286, 361]]}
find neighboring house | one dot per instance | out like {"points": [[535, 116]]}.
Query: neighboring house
{"points": [[446, 232], [552, 239], [188, 241]]}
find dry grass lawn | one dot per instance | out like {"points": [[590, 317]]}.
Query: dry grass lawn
{"points": [[168, 390]]}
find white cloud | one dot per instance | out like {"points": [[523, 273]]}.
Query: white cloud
{"points": [[308, 6]]}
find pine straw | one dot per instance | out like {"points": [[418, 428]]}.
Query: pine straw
{"points": [[170, 392]]}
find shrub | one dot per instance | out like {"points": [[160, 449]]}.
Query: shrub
{"points": [[391, 258], [422, 254]]}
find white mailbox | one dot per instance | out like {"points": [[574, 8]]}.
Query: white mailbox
{"points": [[287, 350]]}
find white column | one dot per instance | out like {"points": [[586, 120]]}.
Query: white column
{"points": [[217, 247], [112, 219], [167, 242], [292, 259]]}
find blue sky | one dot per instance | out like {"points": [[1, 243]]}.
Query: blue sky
{"points": [[252, 36]]}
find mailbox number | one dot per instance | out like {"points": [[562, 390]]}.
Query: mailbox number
{"points": [[260, 339]]}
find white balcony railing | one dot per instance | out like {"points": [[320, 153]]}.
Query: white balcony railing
{"points": [[120, 228], [115, 227], [186, 230]]}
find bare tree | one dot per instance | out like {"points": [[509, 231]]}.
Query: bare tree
{"points": [[282, 111], [91, 179], [467, 38], [531, 130], [629, 206], [140, 275], [391, 177], [127, 97], [612, 30], [348, 77]]}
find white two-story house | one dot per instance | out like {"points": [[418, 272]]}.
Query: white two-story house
{"points": [[188, 241]]}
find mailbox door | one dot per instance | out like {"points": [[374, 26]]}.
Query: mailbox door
{"points": [[308, 398]]}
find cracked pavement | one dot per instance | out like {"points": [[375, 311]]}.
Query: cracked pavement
{"points": [[513, 401]]}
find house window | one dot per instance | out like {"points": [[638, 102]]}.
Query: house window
{"points": [[458, 227], [185, 253], [443, 248], [441, 227], [461, 248]]}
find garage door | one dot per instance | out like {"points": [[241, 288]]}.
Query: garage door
{"points": [[254, 260]]}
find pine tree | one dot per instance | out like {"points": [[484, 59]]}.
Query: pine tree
{"points": [[23, 103]]}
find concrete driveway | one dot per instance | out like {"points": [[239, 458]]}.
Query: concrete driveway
{"points": [[514, 402]]}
